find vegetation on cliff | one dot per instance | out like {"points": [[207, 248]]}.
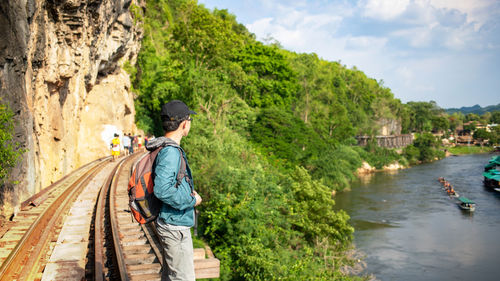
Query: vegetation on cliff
{"points": [[270, 122], [273, 138], [9, 150]]}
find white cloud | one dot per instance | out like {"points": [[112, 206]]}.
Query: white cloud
{"points": [[405, 75], [428, 25], [289, 37], [383, 9], [365, 42], [297, 30], [477, 11], [319, 21], [418, 37], [456, 39]]}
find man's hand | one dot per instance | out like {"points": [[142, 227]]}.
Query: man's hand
{"points": [[198, 198]]}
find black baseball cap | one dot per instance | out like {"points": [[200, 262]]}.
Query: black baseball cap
{"points": [[175, 110]]}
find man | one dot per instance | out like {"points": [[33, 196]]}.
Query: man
{"points": [[178, 199], [115, 147], [126, 144], [131, 147]]}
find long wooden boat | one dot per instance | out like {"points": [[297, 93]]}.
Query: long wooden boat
{"points": [[492, 163], [492, 178], [491, 173], [466, 204]]}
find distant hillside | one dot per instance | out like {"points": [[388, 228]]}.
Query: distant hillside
{"points": [[476, 109]]}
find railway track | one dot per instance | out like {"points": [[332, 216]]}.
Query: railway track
{"points": [[120, 241], [92, 235], [135, 249], [25, 244]]}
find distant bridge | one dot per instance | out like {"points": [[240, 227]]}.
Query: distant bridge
{"points": [[392, 141]]}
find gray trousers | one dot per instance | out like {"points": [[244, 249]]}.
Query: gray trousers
{"points": [[178, 264]]}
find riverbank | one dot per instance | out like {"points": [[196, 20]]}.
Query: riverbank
{"points": [[464, 150], [368, 169]]}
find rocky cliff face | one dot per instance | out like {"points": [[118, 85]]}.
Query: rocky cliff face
{"points": [[60, 72], [388, 127]]}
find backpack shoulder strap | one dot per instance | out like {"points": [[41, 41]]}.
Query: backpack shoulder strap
{"points": [[152, 156], [182, 173]]}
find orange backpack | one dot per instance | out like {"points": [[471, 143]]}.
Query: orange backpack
{"points": [[143, 204]]}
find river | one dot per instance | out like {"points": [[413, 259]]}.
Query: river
{"points": [[409, 229]]}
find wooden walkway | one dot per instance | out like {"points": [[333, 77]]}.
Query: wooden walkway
{"points": [[392, 141]]}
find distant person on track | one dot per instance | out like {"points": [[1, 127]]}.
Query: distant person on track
{"points": [[115, 147], [139, 141], [135, 143], [177, 214], [126, 144], [131, 147]]}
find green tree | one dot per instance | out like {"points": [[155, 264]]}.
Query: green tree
{"points": [[495, 117], [455, 120], [317, 101], [202, 38], [472, 117], [312, 210], [440, 123], [422, 114], [337, 174], [495, 135], [275, 82], [481, 135], [212, 96], [284, 137], [471, 127], [412, 154], [427, 145], [485, 118], [9, 149]]}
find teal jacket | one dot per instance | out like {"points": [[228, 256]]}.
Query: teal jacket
{"points": [[178, 203]]}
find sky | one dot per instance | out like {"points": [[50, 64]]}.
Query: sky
{"points": [[447, 51]]}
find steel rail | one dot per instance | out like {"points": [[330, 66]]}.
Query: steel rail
{"points": [[119, 255], [22, 263], [99, 229], [35, 199]]}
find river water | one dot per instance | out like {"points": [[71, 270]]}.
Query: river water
{"points": [[409, 229]]}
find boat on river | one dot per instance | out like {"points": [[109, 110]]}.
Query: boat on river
{"points": [[493, 163], [448, 187], [466, 204], [491, 173], [492, 179]]}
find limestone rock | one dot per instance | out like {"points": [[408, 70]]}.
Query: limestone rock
{"points": [[60, 72], [365, 169]]}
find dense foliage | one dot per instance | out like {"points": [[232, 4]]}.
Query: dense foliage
{"points": [[424, 149], [9, 152], [272, 139]]}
